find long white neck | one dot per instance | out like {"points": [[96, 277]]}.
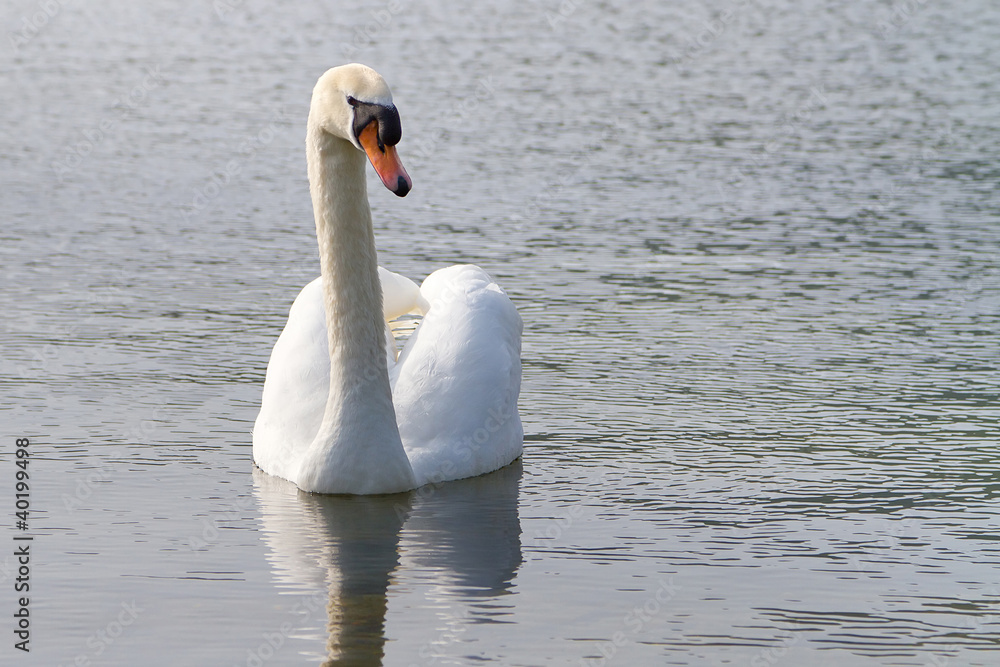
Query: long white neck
{"points": [[357, 448]]}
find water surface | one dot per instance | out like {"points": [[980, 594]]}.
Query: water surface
{"points": [[756, 247]]}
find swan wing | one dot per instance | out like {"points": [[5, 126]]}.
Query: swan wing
{"points": [[400, 295], [295, 387], [457, 379]]}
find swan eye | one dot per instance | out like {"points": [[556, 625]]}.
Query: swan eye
{"points": [[353, 102]]}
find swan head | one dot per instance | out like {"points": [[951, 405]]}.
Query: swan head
{"points": [[353, 102]]}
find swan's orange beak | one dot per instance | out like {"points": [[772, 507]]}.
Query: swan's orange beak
{"points": [[385, 160]]}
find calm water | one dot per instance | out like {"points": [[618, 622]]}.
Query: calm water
{"points": [[756, 247]]}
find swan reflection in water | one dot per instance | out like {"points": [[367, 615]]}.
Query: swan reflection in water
{"points": [[462, 536]]}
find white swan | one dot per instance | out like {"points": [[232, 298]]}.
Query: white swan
{"points": [[340, 413]]}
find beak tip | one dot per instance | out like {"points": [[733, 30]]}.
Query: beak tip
{"points": [[403, 186]]}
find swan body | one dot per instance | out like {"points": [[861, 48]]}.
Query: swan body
{"points": [[341, 412]]}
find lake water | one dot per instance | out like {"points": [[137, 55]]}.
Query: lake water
{"points": [[756, 247]]}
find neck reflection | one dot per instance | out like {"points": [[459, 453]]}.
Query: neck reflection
{"points": [[464, 535]]}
